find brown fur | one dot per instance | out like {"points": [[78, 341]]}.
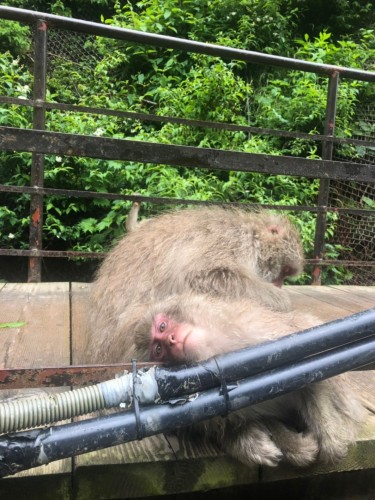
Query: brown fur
{"points": [[221, 252]]}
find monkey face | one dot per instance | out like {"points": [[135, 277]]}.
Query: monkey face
{"points": [[173, 342]]}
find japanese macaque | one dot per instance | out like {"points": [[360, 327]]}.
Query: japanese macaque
{"points": [[228, 253], [316, 423], [193, 283]]}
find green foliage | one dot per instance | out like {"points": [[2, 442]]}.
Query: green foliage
{"points": [[131, 77], [340, 17], [14, 37], [297, 101], [82, 9]]}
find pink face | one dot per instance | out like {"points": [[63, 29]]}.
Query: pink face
{"points": [[173, 342]]}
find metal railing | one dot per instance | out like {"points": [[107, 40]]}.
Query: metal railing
{"points": [[39, 141]]}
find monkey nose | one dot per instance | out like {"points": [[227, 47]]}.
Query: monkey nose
{"points": [[171, 339]]}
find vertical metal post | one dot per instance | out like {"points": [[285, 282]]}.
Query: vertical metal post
{"points": [[37, 167], [327, 150]]}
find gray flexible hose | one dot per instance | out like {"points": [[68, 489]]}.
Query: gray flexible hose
{"points": [[44, 409]]}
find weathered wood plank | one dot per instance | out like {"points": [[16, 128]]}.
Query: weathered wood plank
{"points": [[337, 297], [159, 465], [328, 303], [362, 293], [79, 305], [45, 337], [44, 340]]}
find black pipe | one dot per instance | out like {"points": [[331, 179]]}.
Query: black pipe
{"points": [[25, 450], [246, 362], [178, 382]]}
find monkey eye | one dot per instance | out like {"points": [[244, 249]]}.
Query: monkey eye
{"points": [[162, 327], [157, 350]]}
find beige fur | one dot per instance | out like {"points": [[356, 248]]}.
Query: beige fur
{"points": [[316, 423], [221, 252]]}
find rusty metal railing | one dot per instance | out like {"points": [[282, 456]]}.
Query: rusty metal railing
{"points": [[39, 141]]}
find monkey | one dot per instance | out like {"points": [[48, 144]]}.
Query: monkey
{"points": [[313, 424], [226, 268], [231, 253]]}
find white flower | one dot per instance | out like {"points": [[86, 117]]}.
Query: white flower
{"points": [[99, 132], [23, 90], [58, 159], [11, 236]]}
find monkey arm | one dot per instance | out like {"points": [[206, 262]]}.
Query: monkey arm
{"points": [[237, 283]]}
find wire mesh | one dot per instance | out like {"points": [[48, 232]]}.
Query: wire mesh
{"points": [[356, 233]]}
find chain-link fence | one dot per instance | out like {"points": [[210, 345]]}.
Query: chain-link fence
{"points": [[356, 232]]}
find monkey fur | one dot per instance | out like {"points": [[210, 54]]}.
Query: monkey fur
{"points": [[229, 253], [316, 423]]}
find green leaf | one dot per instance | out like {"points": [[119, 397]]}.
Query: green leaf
{"points": [[13, 325]]}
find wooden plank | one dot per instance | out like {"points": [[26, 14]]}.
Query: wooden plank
{"points": [[363, 294], [364, 385], [43, 340], [314, 306], [349, 303], [45, 337], [37, 487], [79, 305], [158, 465]]}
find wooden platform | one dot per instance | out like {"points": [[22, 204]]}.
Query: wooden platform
{"points": [[53, 334]]}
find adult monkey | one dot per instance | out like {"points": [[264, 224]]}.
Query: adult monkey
{"points": [[229, 253], [316, 423]]}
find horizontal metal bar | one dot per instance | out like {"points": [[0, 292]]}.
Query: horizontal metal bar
{"points": [[176, 201], [13, 252], [184, 121], [63, 376], [40, 141], [340, 262], [97, 29], [67, 376], [70, 254]]}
